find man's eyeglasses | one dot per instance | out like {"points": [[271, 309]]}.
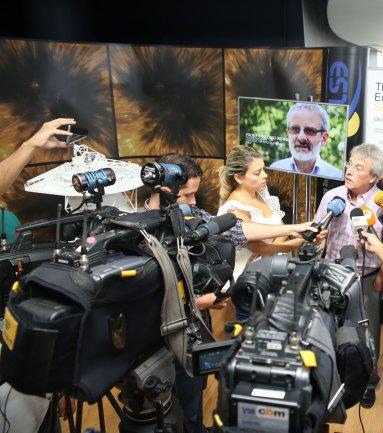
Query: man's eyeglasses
{"points": [[307, 130], [357, 167]]}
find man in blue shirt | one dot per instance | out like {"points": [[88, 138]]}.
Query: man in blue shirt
{"points": [[307, 129]]}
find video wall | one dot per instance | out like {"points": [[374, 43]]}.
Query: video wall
{"points": [[138, 102]]}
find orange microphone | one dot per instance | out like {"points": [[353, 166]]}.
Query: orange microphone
{"points": [[378, 199], [371, 218]]}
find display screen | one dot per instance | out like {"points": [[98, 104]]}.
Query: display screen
{"points": [[210, 362], [298, 137]]}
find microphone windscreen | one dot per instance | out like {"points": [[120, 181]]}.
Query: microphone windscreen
{"points": [[336, 206], [348, 251], [357, 212], [224, 222], [348, 257], [371, 218], [378, 199], [186, 210]]}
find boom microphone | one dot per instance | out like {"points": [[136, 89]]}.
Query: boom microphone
{"points": [[334, 208], [215, 226]]}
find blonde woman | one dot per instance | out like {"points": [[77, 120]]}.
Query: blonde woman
{"points": [[244, 193]]}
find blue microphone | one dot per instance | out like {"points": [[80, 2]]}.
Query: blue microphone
{"points": [[186, 210], [335, 208]]}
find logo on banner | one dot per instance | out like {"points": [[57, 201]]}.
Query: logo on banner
{"points": [[338, 83], [338, 88]]}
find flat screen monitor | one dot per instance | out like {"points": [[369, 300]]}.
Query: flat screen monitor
{"points": [[296, 137]]}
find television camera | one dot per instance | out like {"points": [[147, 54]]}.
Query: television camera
{"points": [[304, 354], [101, 310]]}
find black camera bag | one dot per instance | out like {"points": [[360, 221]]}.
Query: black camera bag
{"points": [[354, 361], [89, 330]]}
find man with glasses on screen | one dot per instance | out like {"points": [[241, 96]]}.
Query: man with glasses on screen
{"points": [[307, 129]]}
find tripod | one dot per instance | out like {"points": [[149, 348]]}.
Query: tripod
{"points": [[146, 394], [139, 417]]}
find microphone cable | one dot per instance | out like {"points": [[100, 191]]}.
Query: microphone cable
{"points": [[4, 412], [360, 418], [363, 265]]}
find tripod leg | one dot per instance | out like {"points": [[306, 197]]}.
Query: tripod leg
{"points": [[101, 415], [114, 404], [53, 413], [80, 405], [70, 414]]}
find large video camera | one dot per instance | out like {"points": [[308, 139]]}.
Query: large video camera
{"points": [[110, 299], [304, 355]]}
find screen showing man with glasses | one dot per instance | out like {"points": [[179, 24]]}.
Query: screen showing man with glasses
{"points": [[296, 137], [308, 127]]}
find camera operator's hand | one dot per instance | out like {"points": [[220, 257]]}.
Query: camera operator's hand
{"points": [[45, 136], [207, 301], [373, 244]]}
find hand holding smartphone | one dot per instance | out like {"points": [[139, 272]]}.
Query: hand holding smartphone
{"points": [[77, 134]]}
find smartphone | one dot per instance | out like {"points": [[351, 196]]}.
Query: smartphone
{"points": [[78, 134]]}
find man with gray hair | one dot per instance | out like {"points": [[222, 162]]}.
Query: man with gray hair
{"points": [[307, 129], [363, 171]]}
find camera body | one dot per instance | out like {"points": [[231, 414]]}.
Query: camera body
{"points": [[82, 330], [265, 386], [286, 372]]}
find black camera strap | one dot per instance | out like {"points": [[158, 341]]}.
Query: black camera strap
{"points": [[173, 317], [183, 261], [178, 225]]}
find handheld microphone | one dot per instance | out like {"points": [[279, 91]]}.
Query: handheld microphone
{"points": [[334, 208], [358, 222], [371, 218], [378, 199], [215, 226]]}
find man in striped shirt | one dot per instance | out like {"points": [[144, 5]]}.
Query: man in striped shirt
{"points": [[363, 171]]}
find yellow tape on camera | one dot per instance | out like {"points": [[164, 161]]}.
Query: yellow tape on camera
{"points": [[181, 291], [10, 326]]}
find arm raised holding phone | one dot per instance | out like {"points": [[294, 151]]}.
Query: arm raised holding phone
{"points": [[44, 138]]}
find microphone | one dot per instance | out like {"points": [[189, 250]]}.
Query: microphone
{"points": [[358, 222], [334, 208], [3, 236], [378, 199], [371, 218], [215, 226], [186, 210]]}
